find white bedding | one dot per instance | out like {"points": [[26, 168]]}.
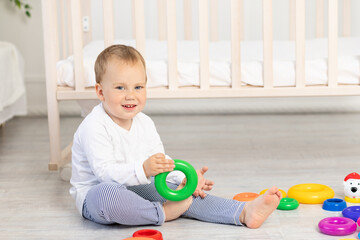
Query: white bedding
{"points": [[220, 67], [12, 90]]}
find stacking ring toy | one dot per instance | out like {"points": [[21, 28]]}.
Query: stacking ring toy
{"points": [[352, 212], [246, 196], [311, 193], [334, 204], [288, 204], [358, 222], [185, 192], [148, 233], [337, 226], [352, 200], [283, 193], [138, 238]]}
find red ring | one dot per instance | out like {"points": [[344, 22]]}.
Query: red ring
{"points": [[138, 238], [150, 233]]}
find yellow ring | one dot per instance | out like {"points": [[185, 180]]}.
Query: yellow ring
{"points": [[283, 193], [352, 200], [311, 193]]}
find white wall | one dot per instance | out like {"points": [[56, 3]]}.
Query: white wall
{"points": [[26, 34]]}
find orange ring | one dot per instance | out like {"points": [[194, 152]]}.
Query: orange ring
{"points": [[246, 196]]}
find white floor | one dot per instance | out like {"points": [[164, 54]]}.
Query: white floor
{"points": [[245, 153]]}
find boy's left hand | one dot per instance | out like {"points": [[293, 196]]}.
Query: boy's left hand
{"points": [[203, 183]]}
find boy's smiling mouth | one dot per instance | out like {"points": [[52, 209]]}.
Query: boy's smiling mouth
{"points": [[129, 106]]}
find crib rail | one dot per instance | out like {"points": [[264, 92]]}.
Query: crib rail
{"points": [[167, 30], [73, 39]]}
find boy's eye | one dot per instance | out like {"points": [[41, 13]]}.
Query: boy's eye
{"points": [[120, 87], [138, 87]]}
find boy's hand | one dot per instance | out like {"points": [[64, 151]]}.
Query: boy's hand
{"points": [[156, 164], [203, 184]]}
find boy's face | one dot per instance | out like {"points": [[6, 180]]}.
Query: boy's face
{"points": [[123, 91]]}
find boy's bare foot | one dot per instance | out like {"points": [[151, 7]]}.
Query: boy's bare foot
{"points": [[257, 211], [173, 209]]}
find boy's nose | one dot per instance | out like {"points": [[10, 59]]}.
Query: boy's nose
{"points": [[130, 95]]}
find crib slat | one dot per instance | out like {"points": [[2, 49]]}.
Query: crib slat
{"points": [[108, 15], [214, 20], [319, 18], [161, 19], [172, 47], [69, 28], [333, 43], [51, 57], [300, 43], [63, 30], [187, 20], [292, 26], [77, 43], [268, 44], [140, 25], [204, 44], [346, 18], [235, 44], [133, 26]]}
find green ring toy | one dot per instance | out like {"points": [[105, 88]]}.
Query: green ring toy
{"points": [[288, 204], [185, 192]]}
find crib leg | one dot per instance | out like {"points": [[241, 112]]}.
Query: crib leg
{"points": [[54, 134], [65, 165]]}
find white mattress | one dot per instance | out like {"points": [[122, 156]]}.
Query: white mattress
{"points": [[220, 67], [12, 90]]}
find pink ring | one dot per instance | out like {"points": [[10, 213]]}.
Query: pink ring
{"points": [[337, 226], [358, 222]]}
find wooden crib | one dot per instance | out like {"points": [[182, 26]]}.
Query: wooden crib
{"points": [[64, 36]]}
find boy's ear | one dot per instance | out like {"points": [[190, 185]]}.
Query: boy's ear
{"points": [[99, 91]]}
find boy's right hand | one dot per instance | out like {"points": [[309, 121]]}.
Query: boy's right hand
{"points": [[156, 164]]}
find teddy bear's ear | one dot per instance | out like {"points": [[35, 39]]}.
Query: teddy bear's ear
{"points": [[344, 183]]}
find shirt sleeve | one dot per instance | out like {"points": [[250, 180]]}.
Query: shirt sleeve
{"points": [[106, 167]]}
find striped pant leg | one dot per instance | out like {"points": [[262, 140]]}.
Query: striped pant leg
{"points": [[215, 210], [209, 209], [149, 192], [109, 203]]}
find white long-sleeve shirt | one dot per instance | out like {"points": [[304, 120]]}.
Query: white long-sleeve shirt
{"points": [[103, 151]]}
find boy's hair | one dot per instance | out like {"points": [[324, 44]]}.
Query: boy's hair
{"points": [[125, 53]]}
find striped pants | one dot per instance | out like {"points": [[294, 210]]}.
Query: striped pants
{"points": [[108, 203]]}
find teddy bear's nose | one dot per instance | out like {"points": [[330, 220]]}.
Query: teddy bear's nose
{"points": [[354, 189]]}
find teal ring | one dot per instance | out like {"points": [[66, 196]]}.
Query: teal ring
{"points": [[181, 194]]}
